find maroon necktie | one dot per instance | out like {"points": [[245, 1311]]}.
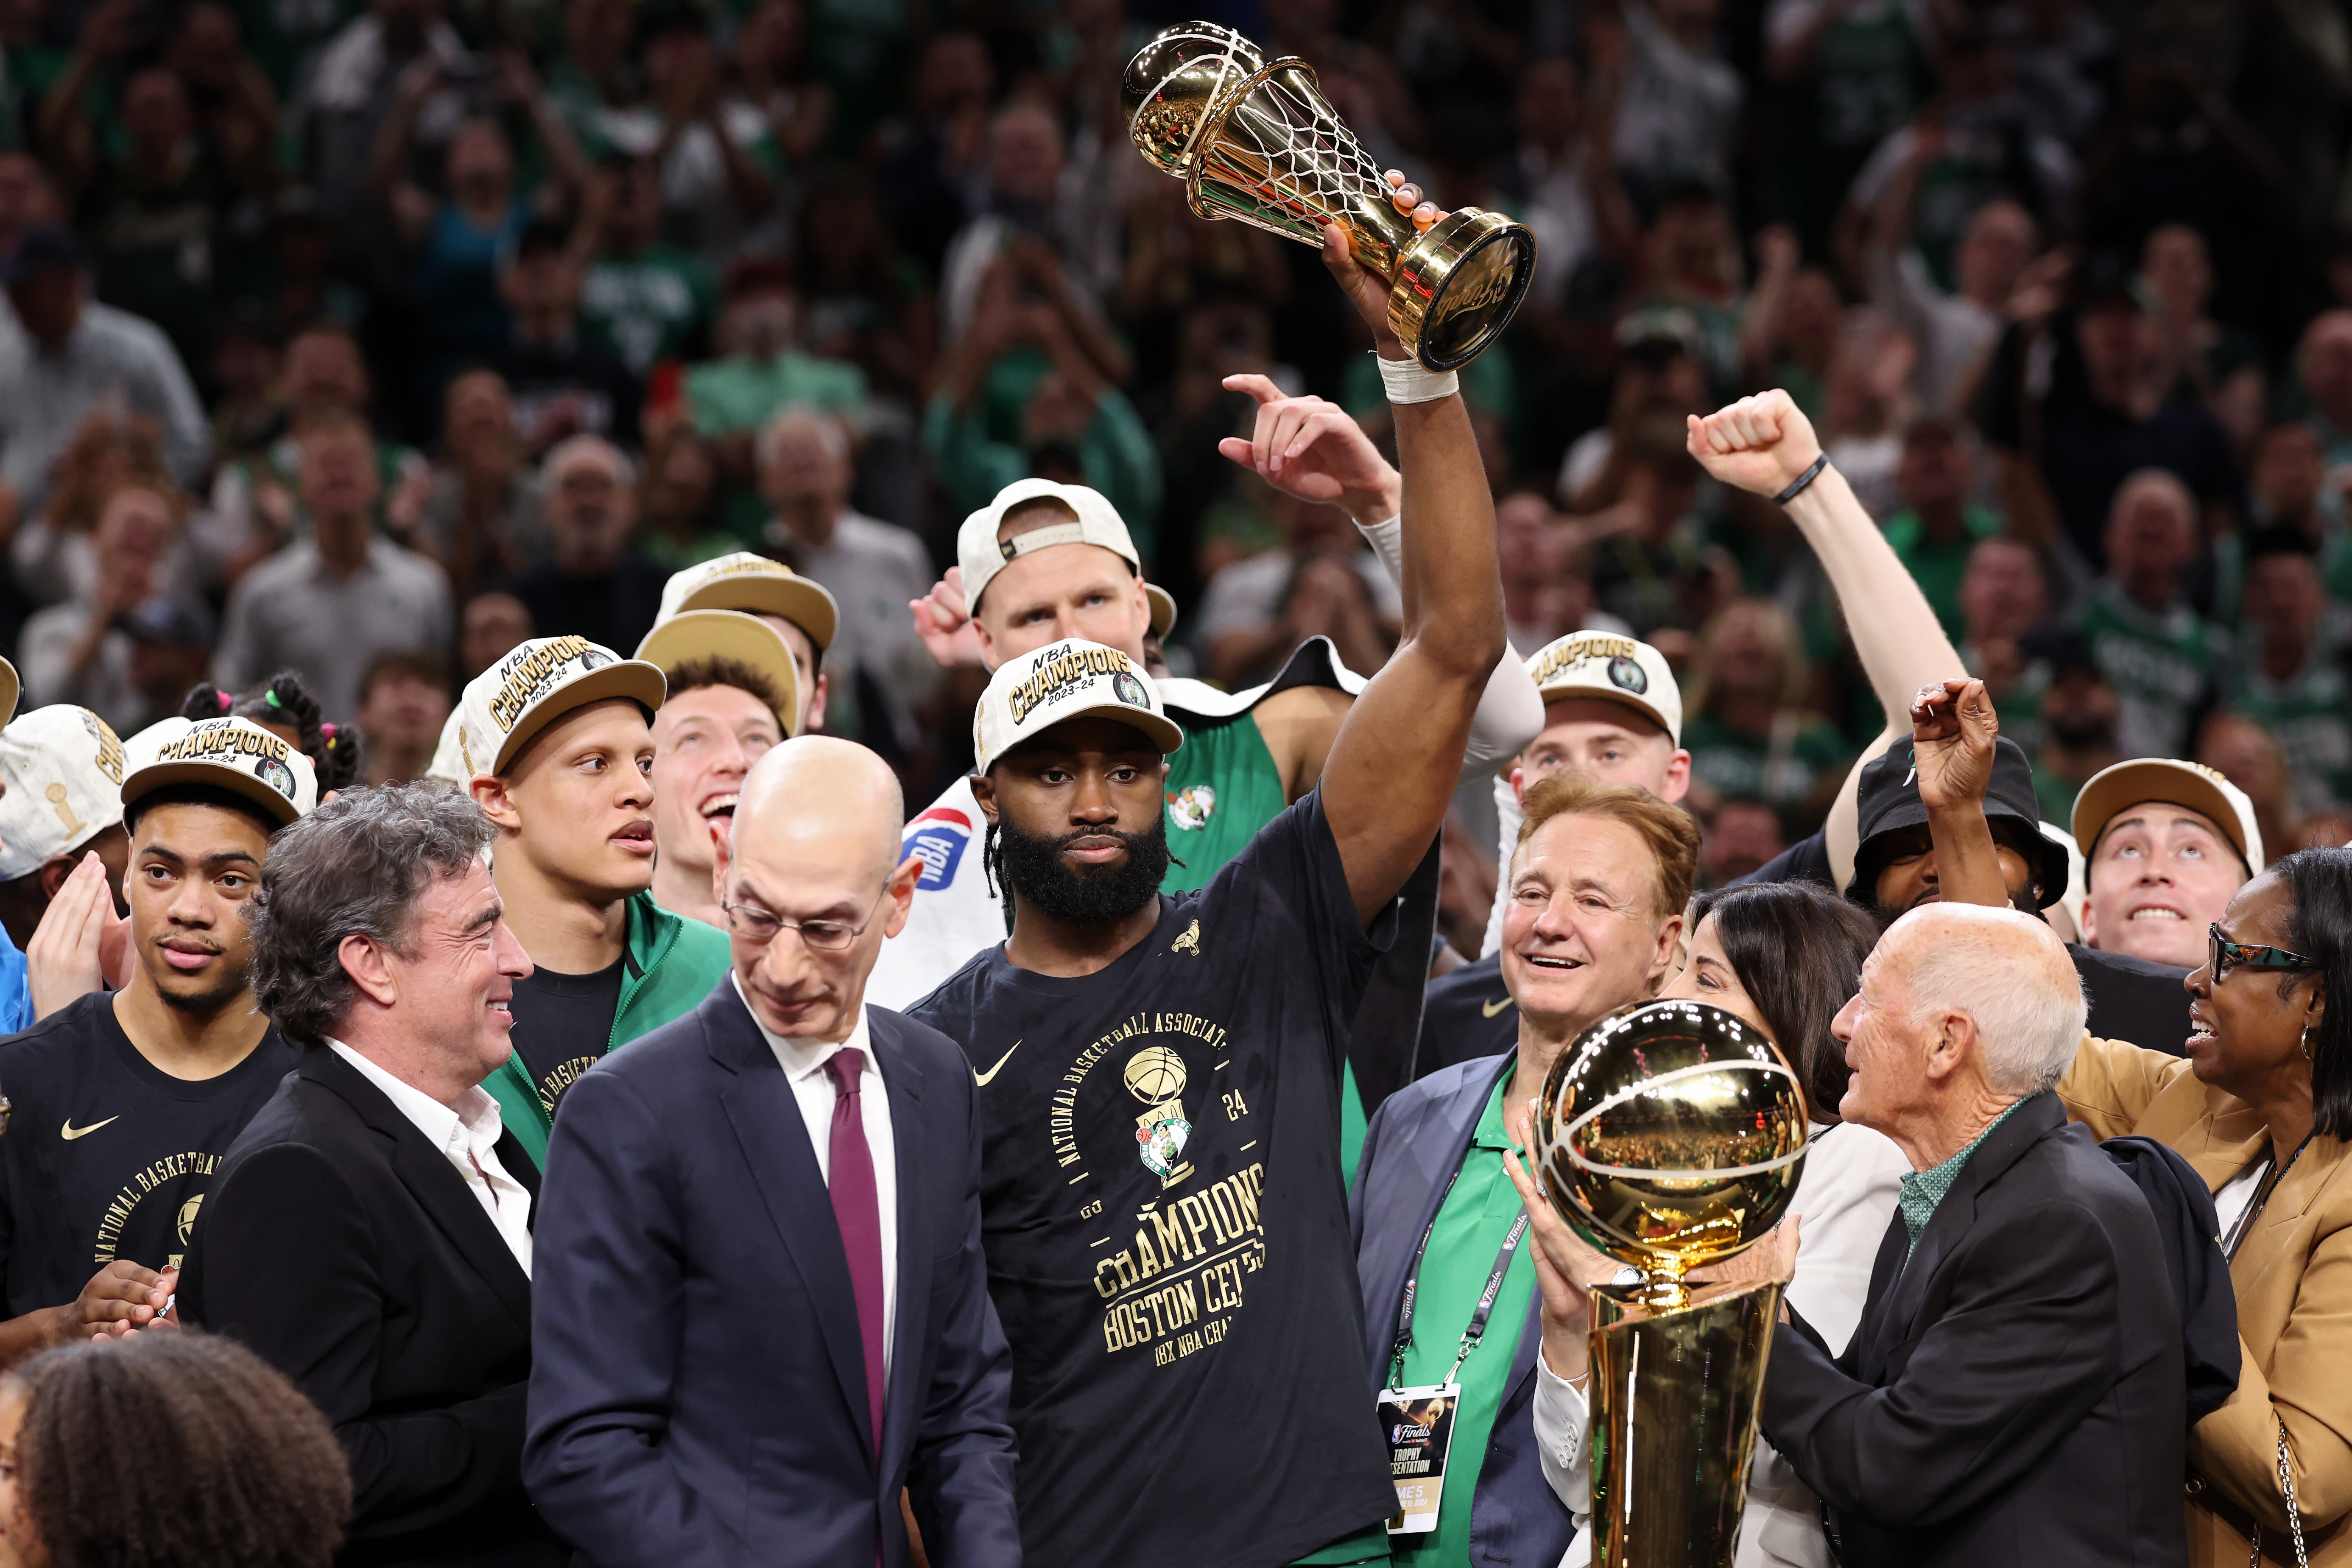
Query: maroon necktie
{"points": [[859, 1214]]}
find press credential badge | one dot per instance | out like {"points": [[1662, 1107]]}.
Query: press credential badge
{"points": [[1420, 1425]]}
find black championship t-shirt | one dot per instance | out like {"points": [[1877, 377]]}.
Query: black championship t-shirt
{"points": [[563, 1022], [1166, 1223], [107, 1156]]}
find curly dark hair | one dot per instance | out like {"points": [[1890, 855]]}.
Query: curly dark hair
{"points": [[355, 866], [286, 698], [231, 1466], [1798, 950]]}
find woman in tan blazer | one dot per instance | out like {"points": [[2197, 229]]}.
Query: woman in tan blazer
{"points": [[2261, 1107]]}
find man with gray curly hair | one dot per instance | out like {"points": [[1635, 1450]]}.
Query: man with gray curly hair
{"points": [[369, 1233]]}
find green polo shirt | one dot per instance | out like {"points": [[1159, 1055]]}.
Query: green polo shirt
{"points": [[1920, 1192], [1471, 1226]]}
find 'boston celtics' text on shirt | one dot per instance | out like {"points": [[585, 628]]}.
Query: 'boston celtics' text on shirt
{"points": [[1165, 1219]]}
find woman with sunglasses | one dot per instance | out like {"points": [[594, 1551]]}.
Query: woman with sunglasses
{"points": [[2261, 1107]]}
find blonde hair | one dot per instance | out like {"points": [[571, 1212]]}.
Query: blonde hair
{"points": [[1669, 831], [1779, 630]]}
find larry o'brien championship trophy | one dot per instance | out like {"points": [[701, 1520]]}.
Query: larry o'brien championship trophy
{"points": [[1256, 140], [1671, 1134]]}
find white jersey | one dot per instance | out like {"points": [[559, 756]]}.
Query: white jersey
{"points": [[955, 915]]}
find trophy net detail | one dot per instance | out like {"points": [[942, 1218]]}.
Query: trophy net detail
{"points": [[1284, 161]]}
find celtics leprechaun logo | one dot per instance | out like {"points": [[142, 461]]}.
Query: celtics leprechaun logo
{"points": [[1155, 1075]]}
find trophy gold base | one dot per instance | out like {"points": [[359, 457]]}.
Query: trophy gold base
{"points": [[1677, 1379], [1458, 285]]}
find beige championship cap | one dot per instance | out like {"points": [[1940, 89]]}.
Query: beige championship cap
{"points": [[2175, 782], [63, 770], [983, 555], [1061, 681], [1163, 610], [730, 634], [449, 763], [757, 586], [234, 755], [11, 688], [538, 683], [1614, 669]]}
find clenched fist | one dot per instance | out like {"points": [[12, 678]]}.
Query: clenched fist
{"points": [[1762, 444]]}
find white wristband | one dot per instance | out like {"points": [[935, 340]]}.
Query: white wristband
{"points": [[1407, 382]]}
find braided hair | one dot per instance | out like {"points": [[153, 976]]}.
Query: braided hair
{"points": [[284, 698]]}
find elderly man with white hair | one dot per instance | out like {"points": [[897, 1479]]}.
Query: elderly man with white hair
{"points": [[871, 568], [2014, 1391], [595, 582]]}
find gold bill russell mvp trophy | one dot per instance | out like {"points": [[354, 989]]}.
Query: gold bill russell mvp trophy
{"points": [[1670, 1134], [1256, 140]]}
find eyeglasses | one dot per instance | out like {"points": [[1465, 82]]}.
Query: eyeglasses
{"points": [[823, 936], [2222, 955]]}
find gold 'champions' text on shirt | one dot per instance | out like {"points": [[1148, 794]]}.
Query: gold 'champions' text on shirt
{"points": [[1175, 1283]]}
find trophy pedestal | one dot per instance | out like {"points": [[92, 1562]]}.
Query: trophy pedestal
{"points": [[1457, 286], [1676, 1392]]}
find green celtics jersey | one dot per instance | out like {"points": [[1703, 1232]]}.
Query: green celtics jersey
{"points": [[1780, 767], [651, 307], [2159, 661], [1938, 567], [2306, 713], [1222, 788]]}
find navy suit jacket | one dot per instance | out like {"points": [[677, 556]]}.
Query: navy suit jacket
{"points": [[1411, 1150], [697, 1391]]}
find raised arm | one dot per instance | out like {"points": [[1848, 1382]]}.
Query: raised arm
{"points": [[1763, 445], [1953, 727], [1398, 756], [1313, 448]]}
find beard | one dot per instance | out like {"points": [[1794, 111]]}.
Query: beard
{"points": [[1033, 866], [226, 987], [209, 1001]]}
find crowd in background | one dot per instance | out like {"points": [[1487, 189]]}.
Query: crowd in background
{"points": [[370, 339]]}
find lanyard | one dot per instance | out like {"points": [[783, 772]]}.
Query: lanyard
{"points": [[2255, 1204], [1486, 1308]]}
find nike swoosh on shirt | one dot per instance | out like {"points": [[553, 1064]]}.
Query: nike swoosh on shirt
{"points": [[1493, 1007], [984, 1079], [70, 1131]]}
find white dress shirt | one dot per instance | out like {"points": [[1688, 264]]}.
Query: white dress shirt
{"points": [[803, 1063], [469, 1138]]}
